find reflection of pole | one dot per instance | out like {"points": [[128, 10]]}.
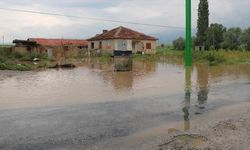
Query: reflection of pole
{"points": [[188, 33], [187, 98]]}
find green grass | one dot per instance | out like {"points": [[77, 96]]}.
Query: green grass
{"points": [[20, 61], [12, 66], [212, 58], [162, 54], [222, 57], [209, 57]]}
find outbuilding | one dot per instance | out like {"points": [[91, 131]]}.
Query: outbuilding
{"points": [[53, 47]]}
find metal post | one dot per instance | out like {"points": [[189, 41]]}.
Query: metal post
{"points": [[188, 33]]}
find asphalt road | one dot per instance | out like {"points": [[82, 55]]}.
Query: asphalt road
{"points": [[86, 125], [81, 126]]}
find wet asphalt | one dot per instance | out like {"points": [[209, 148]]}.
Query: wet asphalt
{"points": [[86, 125], [80, 126]]}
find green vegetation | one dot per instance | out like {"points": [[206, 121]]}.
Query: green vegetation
{"points": [[179, 44], [162, 54], [165, 53], [20, 61], [202, 23], [216, 36], [12, 66], [210, 57], [232, 39]]}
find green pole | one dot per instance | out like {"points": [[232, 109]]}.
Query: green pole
{"points": [[188, 33]]}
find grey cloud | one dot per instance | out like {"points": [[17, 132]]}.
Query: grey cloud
{"points": [[167, 12]]}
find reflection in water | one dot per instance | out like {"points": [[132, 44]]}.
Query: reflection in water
{"points": [[202, 83], [123, 63], [96, 81], [187, 98], [123, 80]]}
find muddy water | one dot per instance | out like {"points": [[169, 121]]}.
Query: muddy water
{"points": [[95, 82], [153, 98]]}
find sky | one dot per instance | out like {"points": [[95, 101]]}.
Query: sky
{"points": [[19, 25]]}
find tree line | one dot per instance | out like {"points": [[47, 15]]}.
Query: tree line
{"points": [[215, 36], [219, 37]]}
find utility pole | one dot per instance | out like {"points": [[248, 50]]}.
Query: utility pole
{"points": [[188, 34]]}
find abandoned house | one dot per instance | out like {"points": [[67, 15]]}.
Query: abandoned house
{"points": [[55, 48], [122, 39]]}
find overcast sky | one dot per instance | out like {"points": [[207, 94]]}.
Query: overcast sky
{"points": [[17, 25]]}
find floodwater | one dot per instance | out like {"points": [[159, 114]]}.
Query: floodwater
{"points": [[93, 104]]}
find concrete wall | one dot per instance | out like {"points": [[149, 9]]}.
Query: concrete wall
{"points": [[108, 46], [58, 52], [153, 47]]}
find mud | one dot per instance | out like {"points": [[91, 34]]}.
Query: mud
{"points": [[229, 134]]}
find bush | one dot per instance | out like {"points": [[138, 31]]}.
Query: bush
{"points": [[179, 44], [221, 57]]}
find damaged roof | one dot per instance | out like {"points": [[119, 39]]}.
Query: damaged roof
{"points": [[122, 33], [58, 42]]}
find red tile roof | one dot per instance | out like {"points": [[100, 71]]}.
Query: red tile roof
{"points": [[122, 33], [58, 42]]}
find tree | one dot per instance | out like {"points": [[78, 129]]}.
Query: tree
{"points": [[179, 44], [215, 36], [245, 39], [202, 22], [232, 38]]}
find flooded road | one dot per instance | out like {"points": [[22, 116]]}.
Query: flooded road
{"points": [[93, 105]]}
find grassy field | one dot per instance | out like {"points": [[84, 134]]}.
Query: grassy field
{"points": [[21, 62], [209, 57]]}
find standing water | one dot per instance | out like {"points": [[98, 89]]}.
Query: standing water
{"points": [[93, 104]]}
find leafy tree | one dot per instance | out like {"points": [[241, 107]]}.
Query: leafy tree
{"points": [[245, 39], [202, 22], [215, 36], [232, 38], [179, 44]]}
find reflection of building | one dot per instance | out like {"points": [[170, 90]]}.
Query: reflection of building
{"points": [[123, 80], [122, 39], [123, 63]]}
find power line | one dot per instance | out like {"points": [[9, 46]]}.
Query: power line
{"points": [[90, 18]]}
